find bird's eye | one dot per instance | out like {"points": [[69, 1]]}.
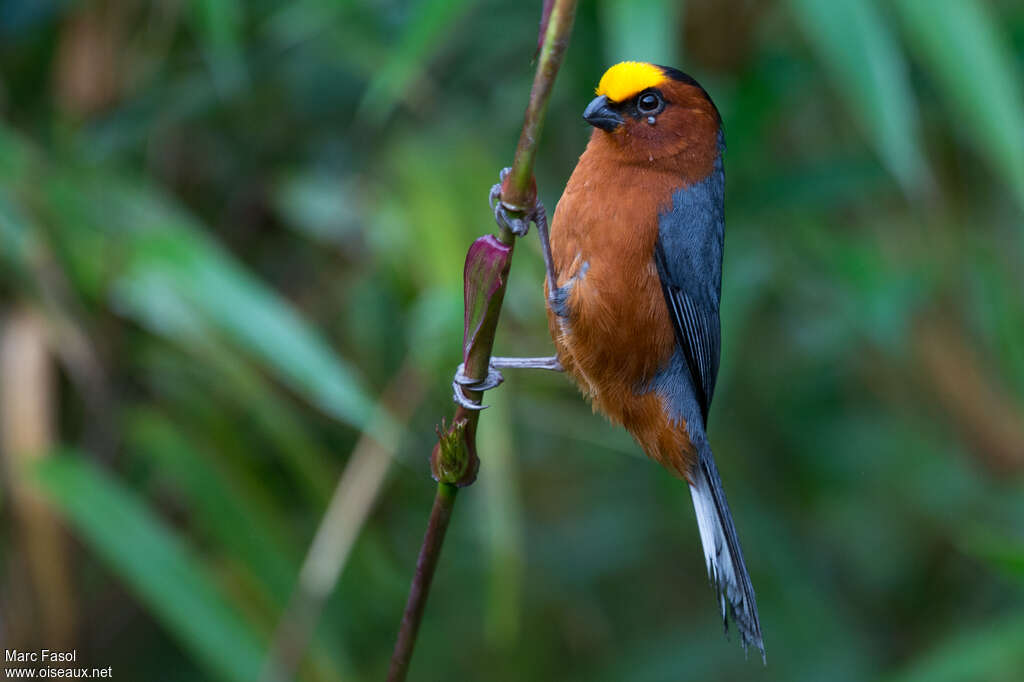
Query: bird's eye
{"points": [[649, 103]]}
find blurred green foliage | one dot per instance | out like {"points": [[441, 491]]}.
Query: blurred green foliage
{"points": [[253, 214]]}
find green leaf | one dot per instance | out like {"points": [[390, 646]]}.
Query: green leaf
{"points": [[958, 43], [155, 563], [14, 234], [245, 527], [409, 58], [989, 652], [641, 31], [16, 155], [219, 24], [995, 305], [867, 67], [999, 550], [324, 207], [276, 419], [180, 283], [501, 527], [169, 275], [17, 160]]}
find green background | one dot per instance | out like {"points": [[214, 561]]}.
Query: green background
{"points": [[242, 223]]}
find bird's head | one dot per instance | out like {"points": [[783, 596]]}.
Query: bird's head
{"points": [[644, 112]]}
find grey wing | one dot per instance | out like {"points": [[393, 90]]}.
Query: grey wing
{"points": [[698, 333], [688, 256]]}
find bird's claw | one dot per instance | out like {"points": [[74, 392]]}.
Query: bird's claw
{"points": [[461, 381], [495, 196], [517, 226]]}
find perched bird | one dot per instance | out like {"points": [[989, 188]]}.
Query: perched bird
{"points": [[634, 284]]}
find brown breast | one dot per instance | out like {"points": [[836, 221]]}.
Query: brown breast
{"points": [[619, 333]]}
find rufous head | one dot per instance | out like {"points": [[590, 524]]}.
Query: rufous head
{"points": [[645, 112]]}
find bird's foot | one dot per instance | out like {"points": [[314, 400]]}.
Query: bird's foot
{"points": [[519, 226], [461, 381], [550, 363], [494, 377]]}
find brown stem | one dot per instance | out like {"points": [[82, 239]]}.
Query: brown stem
{"points": [[440, 515], [981, 409], [47, 612], [518, 194]]}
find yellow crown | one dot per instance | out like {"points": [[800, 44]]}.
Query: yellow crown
{"points": [[626, 79]]}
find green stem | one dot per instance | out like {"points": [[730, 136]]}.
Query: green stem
{"points": [[556, 40], [518, 194]]}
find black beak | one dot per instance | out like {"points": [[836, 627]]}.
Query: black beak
{"points": [[600, 114]]}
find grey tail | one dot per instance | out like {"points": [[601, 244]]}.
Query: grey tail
{"points": [[722, 551]]}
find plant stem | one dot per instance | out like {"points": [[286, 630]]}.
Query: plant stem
{"points": [[518, 194], [556, 40], [440, 515], [27, 418]]}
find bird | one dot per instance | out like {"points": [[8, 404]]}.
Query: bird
{"points": [[633, 285]]}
